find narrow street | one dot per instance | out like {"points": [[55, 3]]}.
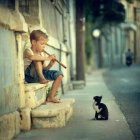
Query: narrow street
{"points": [[110, 84], [90, 41], [124, 84]]}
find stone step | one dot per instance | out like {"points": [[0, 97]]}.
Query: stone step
{"points": [[9, 125], [80, 84], [52, 115], [37, 115], [33, 86], [35, 94]]}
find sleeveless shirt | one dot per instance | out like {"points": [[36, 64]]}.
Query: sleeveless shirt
{"points": [[27, 61]]}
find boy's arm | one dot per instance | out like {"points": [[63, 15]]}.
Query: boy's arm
{"points": [[34, 57], [50, 64]]}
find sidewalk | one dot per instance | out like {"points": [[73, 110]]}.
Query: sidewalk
{"points": [[80, 126]]}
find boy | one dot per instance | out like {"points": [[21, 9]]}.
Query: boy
{"points": [[35, 68]]}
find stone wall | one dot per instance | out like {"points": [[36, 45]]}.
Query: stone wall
{"points": [[15, 26]]}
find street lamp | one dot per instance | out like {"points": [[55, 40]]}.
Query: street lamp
{"points": [[96, 33]]}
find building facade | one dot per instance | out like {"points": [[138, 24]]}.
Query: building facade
{"points": [[18, 18], [115, 39]]}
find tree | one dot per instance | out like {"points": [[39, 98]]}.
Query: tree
{"points": [[80, 40], [109, 10]]}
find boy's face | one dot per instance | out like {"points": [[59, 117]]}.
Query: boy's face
{"points": [[40, 44]]}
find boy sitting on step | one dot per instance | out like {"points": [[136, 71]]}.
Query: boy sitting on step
{"points": [[35, 68]]}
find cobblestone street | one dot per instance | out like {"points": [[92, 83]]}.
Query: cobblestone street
{"points": [[124, 84]]}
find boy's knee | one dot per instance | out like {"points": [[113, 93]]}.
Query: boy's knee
{"points": [[37, 63], [60, 77]]}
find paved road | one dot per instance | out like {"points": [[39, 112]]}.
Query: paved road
{"points": [[124, 84], [80, 126]]}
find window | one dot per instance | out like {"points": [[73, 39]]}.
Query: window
{"points": [[24, 6], [52, 14], [8, 3]]}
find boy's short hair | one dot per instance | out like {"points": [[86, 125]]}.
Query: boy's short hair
{"points": [[36, 34]]}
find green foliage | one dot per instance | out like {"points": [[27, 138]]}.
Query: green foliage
{"points": [[48, 92], [88, 36], [107, 10], [130, 1], [88, 43]]}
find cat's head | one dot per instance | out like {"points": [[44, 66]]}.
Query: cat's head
{"points": [[97, 99]]}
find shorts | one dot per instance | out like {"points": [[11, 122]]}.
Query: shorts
{"points": [[32, 77], [51, 74]]}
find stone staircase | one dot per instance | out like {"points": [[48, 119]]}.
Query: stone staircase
{"points": [[52, 115], [39, 115], [35, 94]]}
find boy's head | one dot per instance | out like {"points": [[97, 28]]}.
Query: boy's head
{"points": [[37, 34], [38, 39]]}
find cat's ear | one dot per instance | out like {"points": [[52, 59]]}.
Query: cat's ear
{"points": [[101, 97]]}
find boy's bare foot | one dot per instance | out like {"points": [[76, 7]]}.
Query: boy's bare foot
{"points": [[54, 100], [43, 81]]}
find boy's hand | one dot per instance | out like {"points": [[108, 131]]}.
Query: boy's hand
{"points": [[52, 57], [52, 62]]}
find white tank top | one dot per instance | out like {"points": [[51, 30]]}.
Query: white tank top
{"points": [[27, 61]]}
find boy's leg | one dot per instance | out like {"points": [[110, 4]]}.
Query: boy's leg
{"points": [[29, 78], [54, 89], [39, 67]]}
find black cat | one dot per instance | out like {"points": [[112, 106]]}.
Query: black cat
{"points": [[101, 110]]}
